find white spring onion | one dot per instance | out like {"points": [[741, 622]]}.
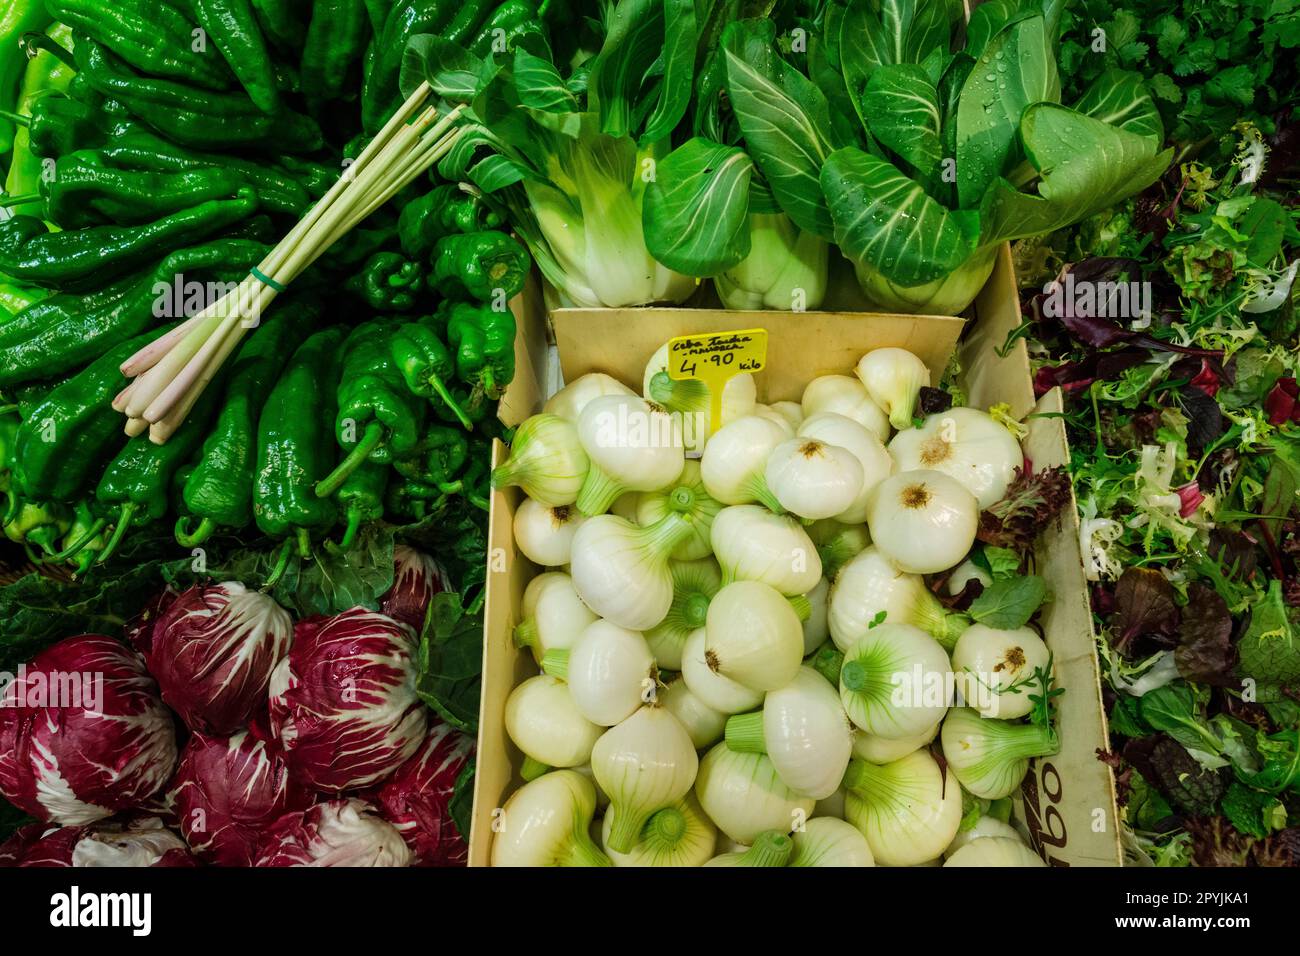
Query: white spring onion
{"points": [[553, 614], [877, 465], [694, 585], [544, 723], [815, 629], [995, 851], [690, 397], [779, 419], [609, 671], [813, 479], [621, 571], [753, 636], [875, 749], [837, 543], [546, 822], [963, 574], [734, 464], [679, 835], [826, 841], [569, 401], [997, 669], [989, 756], [896, 681], [632, 445], [771, 848], [985, 826], [869, 589], [545, 535], [743, 794], [752, 544], [704, 724], [966, 444], [645, 763], [803, 729], [845, 395], [686, 496], [893, 379], [909, 810], [924, 521], [546, 460], [792, 412], [712, 689]]}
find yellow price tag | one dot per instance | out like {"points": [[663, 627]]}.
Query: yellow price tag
{"points": [[714, 358]]}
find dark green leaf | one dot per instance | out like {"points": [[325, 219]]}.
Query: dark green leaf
{"points": [[1268, 650], [450, 70], [1167, 766], [451, 662], [1174, 710], [1120, 98], [1265, 222], [695, 209], [1126, 717], [1146, 808], [461, 805], [1245, 809], [1002, 562], [903, 109], [1009, 603], [540, 85]]}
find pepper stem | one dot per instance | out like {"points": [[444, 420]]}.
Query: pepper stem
{"points": [[303, 537], [20, 199], [12, 506], [281, 563], [96, 527], [189, 539], [441, 391], [32, 43], [354, 525], [744, 733], [123, 522], [371, 439], [18, 119]]}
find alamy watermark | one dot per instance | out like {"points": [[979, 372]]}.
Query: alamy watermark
{"points": [[41, 688], [1105, 300]]}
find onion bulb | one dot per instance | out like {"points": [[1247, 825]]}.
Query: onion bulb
{"points": [[553, 614], [712, 689], [845, 395], [632, 446], [877, 465], [753, 636], [989, 756], [924, 521], [704, 724], [813, 479], [875, 749], [896, 681], [870, 589], [909, 810], [997, 669], [678, 835], [893, 379], [837, 543], [546, 822], [546, 460], [690, 398], [621, 571], [569, 401], [995, 851], [734, 464], [985, 826], [752, 544], [545, 535], [771, 848], [688, 497], [965, 444], [609, 670], [743, 794], [815, 630], [825, 841], [780, 418], [544, 723]]}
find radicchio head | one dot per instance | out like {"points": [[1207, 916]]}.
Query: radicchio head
{"points": [[416, 798], [416, 579], [335, 833]]}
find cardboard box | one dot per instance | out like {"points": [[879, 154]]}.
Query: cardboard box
{"points": [[1067, 804]]}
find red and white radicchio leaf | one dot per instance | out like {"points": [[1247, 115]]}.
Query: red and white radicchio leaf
{"points": [[343, 703], [139, 842], [83, 733], [416, 798], [416, 579], [213, 651], [335, 833]]}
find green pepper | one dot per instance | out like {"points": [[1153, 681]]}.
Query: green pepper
{"points": [[15, 297], [233, 27], [336, 39], [63, 442], [473, 402], [45, 78], [377, 417], [295, 444], [151, 37], [19, 17], [30, 254], [510, 21], [315, 177], [36, 524], [484, 344], [195, 117], [84, 538], [426, 365], [379, 93], [444, 211], [412, 500], [438, 460], [219, 489], [361, 497], [60, 333], [282, 22], [487, 266], [378, 11], [388, 282], [86, 192]]}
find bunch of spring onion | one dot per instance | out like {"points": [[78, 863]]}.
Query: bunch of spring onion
{"points": [[740, 660], [169, 374]]}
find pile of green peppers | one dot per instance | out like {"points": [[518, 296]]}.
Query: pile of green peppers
{"points": [[154, 151]]}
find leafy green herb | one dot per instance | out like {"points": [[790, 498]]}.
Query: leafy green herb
{"points": [[1009, 603]]}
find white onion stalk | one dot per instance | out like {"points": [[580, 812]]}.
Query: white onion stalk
{"points": [[752, 544], [909, 810], [998, 669], [704, 724], [546, 822], [870, 587], [792, 412], [609, 670], [815, 629], [679, 835], [966, 444], [621, 571], [771, 848], [688, 497], [545, 535], [694, 585], [875, 749], [803, 729], [743, 794], [893, 379], [825, 841], [778, 418], [569, 401], [813, 479], [753, 636], [690, 398], [995, 851], [963, 574], [734, 463], [896, 681], [632, 446], [924, 521], [553, 615], [985, 826], [989, 756], [845, 395], [714, 690], [544, 723], [837, 543], [645, 763], [877, 465], [546, 460]]}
